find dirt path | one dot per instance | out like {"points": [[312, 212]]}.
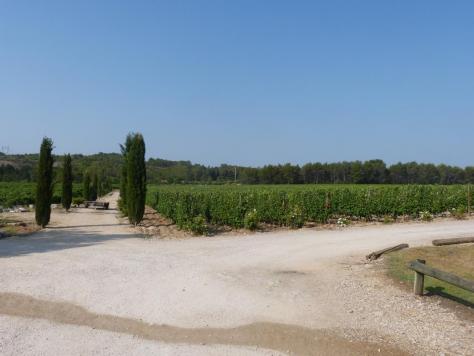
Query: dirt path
{"points": [[90, 285]]}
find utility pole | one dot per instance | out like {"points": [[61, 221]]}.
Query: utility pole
{"points": [[235, 174]]}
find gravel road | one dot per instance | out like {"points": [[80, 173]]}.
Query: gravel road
{"points": [[89, 284]]}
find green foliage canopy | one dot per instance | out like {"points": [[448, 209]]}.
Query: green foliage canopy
{"points": [[44, 185]]}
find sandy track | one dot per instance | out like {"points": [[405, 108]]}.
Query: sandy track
{"points": [[304, 284]]}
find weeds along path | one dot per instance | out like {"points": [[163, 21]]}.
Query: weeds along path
{"points": [[88, 285]]}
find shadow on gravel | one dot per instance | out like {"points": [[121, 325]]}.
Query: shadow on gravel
{"points": [[290, 339], [54, 240], [439, 291]]}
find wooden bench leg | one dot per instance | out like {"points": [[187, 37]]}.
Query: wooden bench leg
{"points": [[419, 281]]}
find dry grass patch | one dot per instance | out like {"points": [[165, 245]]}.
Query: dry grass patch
{"points": [[16, 224]]}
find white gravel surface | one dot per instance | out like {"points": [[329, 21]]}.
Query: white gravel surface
{"points": [[308, 278]]}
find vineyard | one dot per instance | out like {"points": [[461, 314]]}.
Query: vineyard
{"points": [[294, 205], [14, 193]]}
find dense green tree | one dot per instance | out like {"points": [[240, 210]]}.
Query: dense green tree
{"points": [[102, 184], [291, 174], [23, 168], [86, 186], [469, 174], [125, 148], [66, 197], [249, 176], [44, 187], [94, 187], [136, 179]]}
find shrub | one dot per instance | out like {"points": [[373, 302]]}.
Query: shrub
{"points": [[78, 201], [295, 218], [198, 225], [458, 213], [343, 222], [426, 216], [251, 219]]}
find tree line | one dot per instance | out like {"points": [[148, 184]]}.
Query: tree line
{"points": [[108, 166], [356, 172]]}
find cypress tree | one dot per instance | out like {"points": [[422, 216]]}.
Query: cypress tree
{"points": [[100, 184], [66, 198], [44, 186], [94, 187], [123, 179], [86, 186], [136, 180]]}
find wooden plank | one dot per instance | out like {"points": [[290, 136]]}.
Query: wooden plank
{"points": [[374, 255], [454, 241], [441, 275]]}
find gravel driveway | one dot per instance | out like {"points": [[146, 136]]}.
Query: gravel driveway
{"points": [[90, 285]]}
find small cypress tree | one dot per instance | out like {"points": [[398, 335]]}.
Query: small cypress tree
{"points": [[108, 184], [123, 179], [94, 187], [136, 180], [44, 186], [100, 184], [66, 198], [86, 186]]}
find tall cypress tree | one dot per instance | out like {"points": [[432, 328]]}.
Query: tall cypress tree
{"points": [[100, 184], [44, 186], [86, 186], [136, 180], [66, 198], [125, 148], [94, 187]]}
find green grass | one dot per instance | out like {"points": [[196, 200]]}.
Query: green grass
{"points": [[456, 259]]}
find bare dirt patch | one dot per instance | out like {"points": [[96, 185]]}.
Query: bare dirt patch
{"points": [[17, 224], [156, 225]]}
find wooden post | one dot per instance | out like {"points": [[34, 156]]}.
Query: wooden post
{"points": [[375, 255], [454, 241], [419, 281]]}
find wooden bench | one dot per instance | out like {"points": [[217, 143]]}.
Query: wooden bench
{"points": [[97, 204]]}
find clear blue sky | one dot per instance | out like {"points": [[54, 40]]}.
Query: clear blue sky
{"points": [[243, 82]]}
